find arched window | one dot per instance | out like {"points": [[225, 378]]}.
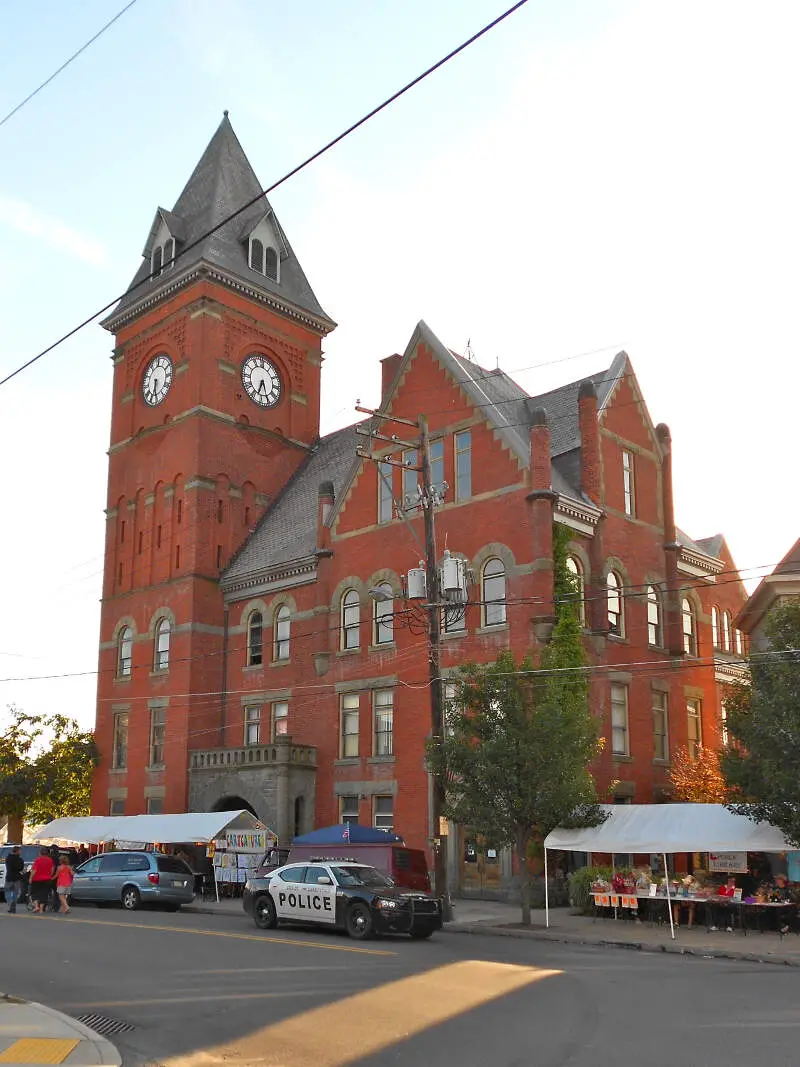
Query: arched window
{"points": [[351, 618], [739, 636], [256, 255], [271, 263], [161, 649], [689, 627], [255, 639], [157, 261], [715, 626], [169, 252], [726, 631], [653, 616], [614, 598], [125, 652], [283, 626], [493, 592], [383, 614], [575, 570]]}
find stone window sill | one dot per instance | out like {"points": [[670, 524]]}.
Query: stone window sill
{"points": [[347, 761], [118, 770], [349, 651], [280, 663], [454, 635], [160, 674], [384, 646], [661, 762], [251, 667], [380, 759], [494, 628], [619, 757]]}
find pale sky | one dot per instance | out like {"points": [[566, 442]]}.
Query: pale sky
{"points": [[593, 175]]}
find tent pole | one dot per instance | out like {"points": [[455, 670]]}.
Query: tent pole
{"points": [[546, 893], [669, 901]]}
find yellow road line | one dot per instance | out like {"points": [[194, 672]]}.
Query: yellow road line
{"points": [[221, 933], [366, 1023], [39, 1050]]}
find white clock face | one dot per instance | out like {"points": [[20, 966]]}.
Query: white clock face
{"points": [[157, 380], [261, 381]]}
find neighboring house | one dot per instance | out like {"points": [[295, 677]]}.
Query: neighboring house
{"points": [[773, 590], [256, 647]]}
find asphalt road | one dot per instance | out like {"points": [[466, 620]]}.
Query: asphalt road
{"points": [[204, 990]]}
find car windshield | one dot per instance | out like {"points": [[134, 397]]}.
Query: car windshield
{"points": [[360, 876]]}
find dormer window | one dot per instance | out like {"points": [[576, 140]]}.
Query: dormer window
{"points": [[264, 259], [162, 256], [157, 261]]}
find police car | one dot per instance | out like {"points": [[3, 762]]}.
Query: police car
{"points": [[343, 896]]}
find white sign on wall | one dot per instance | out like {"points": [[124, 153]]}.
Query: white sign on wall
{"points": [[728, 862]]}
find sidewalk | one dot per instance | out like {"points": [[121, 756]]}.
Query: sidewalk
{"points": [[31, 1034], [496, 918]]}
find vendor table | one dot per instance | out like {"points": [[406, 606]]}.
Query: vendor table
{"points": [[737, 910]]}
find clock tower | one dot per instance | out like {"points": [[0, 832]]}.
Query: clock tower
{"points": [[215, 404]]}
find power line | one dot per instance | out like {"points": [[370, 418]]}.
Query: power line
{"points": [[67, 62], [289, 174]]}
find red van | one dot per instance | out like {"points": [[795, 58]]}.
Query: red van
{"points": [[407, 867]]}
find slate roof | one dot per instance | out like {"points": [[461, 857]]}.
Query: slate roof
{"points": [[221, 183], [710, 545]]}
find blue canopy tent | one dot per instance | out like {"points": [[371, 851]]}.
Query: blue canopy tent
{"points": [[344, 833]]}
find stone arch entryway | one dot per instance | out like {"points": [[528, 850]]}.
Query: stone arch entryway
{"points": [[233, 803]]}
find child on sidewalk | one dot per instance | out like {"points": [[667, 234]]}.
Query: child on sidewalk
{"points": [[64, 878]]}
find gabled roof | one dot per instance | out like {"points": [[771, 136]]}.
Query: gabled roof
{"points": [[221, 184], [783, 581], [710, 545], [561, 404], [287, 530]]}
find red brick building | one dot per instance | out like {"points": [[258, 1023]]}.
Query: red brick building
{"points": [[256, 647]]}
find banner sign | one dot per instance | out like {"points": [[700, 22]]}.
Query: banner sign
{"points": [[249, 840], [728, 862]]}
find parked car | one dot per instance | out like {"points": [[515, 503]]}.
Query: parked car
{"points": [[28, 854], [134, 878], [341, 896]]}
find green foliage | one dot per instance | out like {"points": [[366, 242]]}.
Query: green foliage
{"points": [[762, 758], [46, 764], [580, 884]]}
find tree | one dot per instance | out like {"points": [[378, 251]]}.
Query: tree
{"points": [[46, 764], [519, 740], [698, 780], [762, 758]]}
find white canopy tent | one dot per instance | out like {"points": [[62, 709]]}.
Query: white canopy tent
{"points": [[198, 826], [667, 828]]}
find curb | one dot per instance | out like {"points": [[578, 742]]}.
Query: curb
{"points": [[108, 1054], [636, 946]]}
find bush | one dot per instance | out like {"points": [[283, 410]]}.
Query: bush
{"points": [[580, 884]]}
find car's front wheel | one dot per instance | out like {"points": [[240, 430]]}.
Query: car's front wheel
{"points": [[359, 921], [264, 913], [130, 898]]}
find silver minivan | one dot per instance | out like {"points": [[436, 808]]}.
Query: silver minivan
{"points": [[134, 878]]}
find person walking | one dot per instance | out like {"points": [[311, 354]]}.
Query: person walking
{"points": [[42, 874], [14, 871], [64, 879]]}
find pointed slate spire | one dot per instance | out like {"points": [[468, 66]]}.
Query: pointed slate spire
{"points": [[221, 183]]}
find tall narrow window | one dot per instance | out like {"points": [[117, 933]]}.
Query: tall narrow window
{"points": [[383, 714], [739, 642], [219, 555], [177, 556], [122, 533], [348, 808], [437, 463], [715, 627], [385, 492], [155, 805], [689, 627], [410, 479], [463, 443], [120, 574], [454, 620], [619, 720], [119, 756], [283, 630], [726, 631], [280, 719], [383, 812], [158, 537], [384, 615], [493, 592], [116, 807], [723, 723], [252, 725], [125, 652], [351, 619], [219, 511], [158, 731], [653, 616], [694, 727], [348, 726], [256, 255], [157, 261], [169, 252], [255, 639], [660, 726], [628, 485], [614, 597], [271, 263], [161, 657], [140, 544], [575, 572]]}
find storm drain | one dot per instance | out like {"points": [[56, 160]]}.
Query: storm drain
{"points": [[101, 1024]]}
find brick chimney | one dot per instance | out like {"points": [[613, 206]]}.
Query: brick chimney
{"points": [[673, 630], [590, 441], [541, 500], [389, 367]]}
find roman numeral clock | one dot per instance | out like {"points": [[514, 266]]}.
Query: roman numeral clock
{"points": [[261, 381], [157, 379]]}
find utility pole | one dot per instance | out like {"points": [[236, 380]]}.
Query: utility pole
{"points": [[434, 606]]}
